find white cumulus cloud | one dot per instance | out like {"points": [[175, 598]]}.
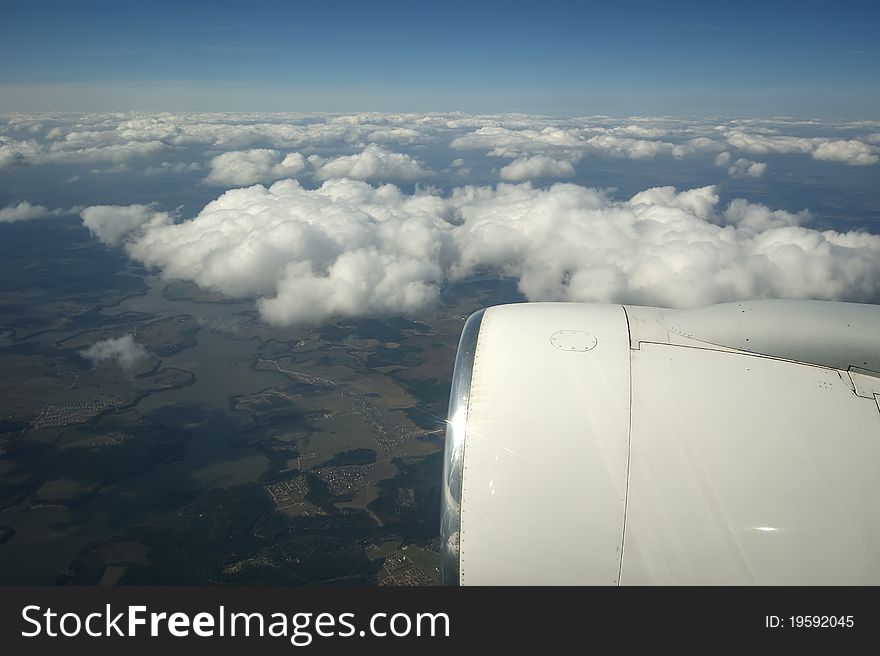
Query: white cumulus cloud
{"points": [[504, 141], [13, 151], [849, 151], [661, 247], [616, 146], [344, 249], [113, 223], [538, 166], [246, 167], [722, 159], [351, 249], [123, 351], [746, 168], [741, 168], [761, 144], [760, 218], [373, 163], [24, 211]]}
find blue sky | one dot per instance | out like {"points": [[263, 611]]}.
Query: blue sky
{"points": [[565, 58]]}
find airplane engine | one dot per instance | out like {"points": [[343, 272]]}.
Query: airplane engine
{"points": [[735, 444]]}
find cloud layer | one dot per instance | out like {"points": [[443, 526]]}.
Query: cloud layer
{"points": [[849, 151], [24, 211], [252, 147], [350, 249], [359, 246]]}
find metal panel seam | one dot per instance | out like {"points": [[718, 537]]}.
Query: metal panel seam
{"points": [[629, 356]]}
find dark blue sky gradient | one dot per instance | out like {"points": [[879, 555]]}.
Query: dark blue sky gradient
{"points": [[805, 58]]}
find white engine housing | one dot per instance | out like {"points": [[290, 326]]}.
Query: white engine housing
{"points": [[620, 445]]}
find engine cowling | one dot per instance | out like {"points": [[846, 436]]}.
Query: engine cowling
{"points": [[609, 444]]}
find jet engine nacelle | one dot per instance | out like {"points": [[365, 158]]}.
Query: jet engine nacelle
{"points": [[620, 445]]}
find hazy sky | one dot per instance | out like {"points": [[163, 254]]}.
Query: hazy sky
{"points": [[562, 58]]}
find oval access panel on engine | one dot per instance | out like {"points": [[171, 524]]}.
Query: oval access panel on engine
{"points": [[573, 340]]}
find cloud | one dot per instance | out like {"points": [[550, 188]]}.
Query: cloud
{"points": [[644, 131], [850, 151], [373, 163], [24, 211], [113, 223], [116, 138], [760, 218], [503, 141], [119, 138], [348, 249], [239, 168], [616, 146], [538, 166], [698, 203], [345, 249], [396, 135], [176, 168], [661, 247], [75, 148], [115, 153], [13, 152], [746, 168], [699, 145], [590, 136], [761, 144], [119, 167], [122, 351], [741, 168]]}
